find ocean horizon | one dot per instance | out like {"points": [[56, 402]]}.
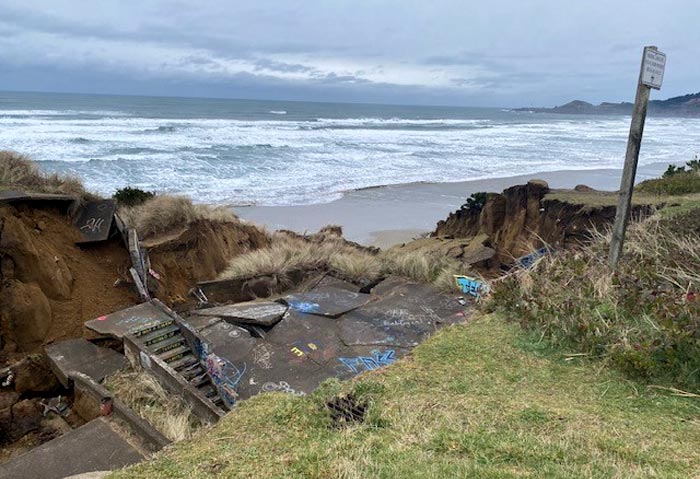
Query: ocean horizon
{"points": [[273, 153]]}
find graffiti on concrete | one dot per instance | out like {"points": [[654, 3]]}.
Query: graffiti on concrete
{"points": [[93, 225], [369, 363], [281, 386], [262, 356], [472, 287], [304, 306], [225, 376], [527, 261], [301, 348]]}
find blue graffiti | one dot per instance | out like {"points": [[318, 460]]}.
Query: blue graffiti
{"points": [[225, 376], [472, 286], [528, 260], [369, 363], [304, 306]]}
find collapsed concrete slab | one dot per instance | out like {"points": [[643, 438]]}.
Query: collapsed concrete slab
{"points": [[329, 301], [263, 313], [127, 321], [94, 220], [95, 446], [14, 196], [79, 355], [329, 331]]}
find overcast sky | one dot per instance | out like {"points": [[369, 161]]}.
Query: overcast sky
{"points": [[480, 53]]}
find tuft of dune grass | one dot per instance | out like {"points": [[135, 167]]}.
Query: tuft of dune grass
{"points": [[328, 251], [167, 213], [168, 413], [19, 172]]}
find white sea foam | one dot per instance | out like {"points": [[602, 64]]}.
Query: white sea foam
{"points": [[316, 159]]}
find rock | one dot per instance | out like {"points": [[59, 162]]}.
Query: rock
{"points": [[25, 316], [35, 262], [22, 418], [7, 399], [33, 375], [583, 188]]}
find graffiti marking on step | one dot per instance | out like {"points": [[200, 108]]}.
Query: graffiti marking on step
{"points": [[369, 363]]}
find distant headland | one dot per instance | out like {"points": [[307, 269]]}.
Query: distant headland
{"points": [[686, 106]]}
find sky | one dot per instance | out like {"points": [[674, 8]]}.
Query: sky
{"points": [[504, 53]]}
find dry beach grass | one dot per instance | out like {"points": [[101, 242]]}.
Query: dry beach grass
{"points": [[144, 394], [288, 253], [19, 172], [167, 213]]}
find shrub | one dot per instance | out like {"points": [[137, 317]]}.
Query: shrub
{"points": [[129, 196], [643, 318], [166, 213], [475, 202], [681, 182], [20, 172]]}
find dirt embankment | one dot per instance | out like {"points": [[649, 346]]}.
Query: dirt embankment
{"points": [[524, 218], [197, 253], [49, 285]]}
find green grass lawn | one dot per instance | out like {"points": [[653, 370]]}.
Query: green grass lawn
{"points": [[477, 400]]}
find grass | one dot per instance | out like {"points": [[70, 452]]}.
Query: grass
{"points": [[327, 250], [600, 199], [680, 183], [167, 213], [19, 172], [477, 400], [643, 318], [144, 395]]}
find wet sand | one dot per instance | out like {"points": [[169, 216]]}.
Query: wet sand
{"points": [[389, 215]]}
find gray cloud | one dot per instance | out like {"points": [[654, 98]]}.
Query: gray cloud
{"points": [[502, 53]]}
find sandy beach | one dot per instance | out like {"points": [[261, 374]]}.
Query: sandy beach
{"points": [[389, 215]]}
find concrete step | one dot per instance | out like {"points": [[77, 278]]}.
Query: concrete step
{"points": [[175, 353], [191, 372], [184, 362], [199, 380], [160, 335], [167, 344], [208, 390]]}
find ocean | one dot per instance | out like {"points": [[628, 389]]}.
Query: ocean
{"points": [[244, 152]]}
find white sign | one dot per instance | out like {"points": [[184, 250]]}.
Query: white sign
{"points": [[653, 67]]}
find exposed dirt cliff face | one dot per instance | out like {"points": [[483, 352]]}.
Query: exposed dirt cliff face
{"points": [[523, 218], [199, 252], [49, 285]]}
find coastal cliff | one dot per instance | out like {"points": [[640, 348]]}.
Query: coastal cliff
{"points": [[526, 217], [685, 106]]}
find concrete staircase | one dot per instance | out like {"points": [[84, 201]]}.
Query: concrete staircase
{"points": [[166, 342]]}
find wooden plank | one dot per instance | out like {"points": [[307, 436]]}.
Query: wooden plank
{"points": [[634, 143], [140, 288]]}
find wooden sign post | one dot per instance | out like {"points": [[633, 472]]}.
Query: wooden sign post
{"points": [[651, 76]]}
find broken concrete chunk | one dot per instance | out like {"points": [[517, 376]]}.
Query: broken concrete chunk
{"points": [[84, 357], [94, 220], [264, 313], [127, 321], [327, 301], [95, 446]]}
